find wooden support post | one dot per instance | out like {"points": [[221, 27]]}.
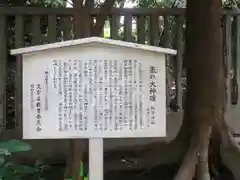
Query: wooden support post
{"points": [[18, 86], [228, 57], [179, 64], [237, 55], [3, 70], [19, 42]]}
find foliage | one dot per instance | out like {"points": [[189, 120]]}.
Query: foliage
{"points": [[11, 170], [8, 168], [43, 3], [162, 3], [81, 173], [230, 3], [11, 146], [176, 3]]}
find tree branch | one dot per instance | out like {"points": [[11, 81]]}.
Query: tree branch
{"points": [[77, 3], [102, 16]]}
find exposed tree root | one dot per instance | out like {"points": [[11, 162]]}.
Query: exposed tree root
{"points": [[230, 151], [146, 157], [202, 170], [187, 169], [118, 156], [195, 163]]}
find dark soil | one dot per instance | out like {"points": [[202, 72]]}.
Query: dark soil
{"points": [[56, 171]]}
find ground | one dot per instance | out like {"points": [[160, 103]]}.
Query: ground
{"points": [[157, 173]]}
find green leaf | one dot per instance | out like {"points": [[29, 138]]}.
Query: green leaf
{"points": [[12, 146], [6, 173], [22, 169], [4, 152], [81, 172], [12, 171], [2, 160]]}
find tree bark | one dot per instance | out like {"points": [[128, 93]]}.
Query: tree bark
{"points": [[77, 147], [205, 84], [102, 16]]}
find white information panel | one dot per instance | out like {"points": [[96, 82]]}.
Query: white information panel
{"points": [[93, 98], [93, 88]]}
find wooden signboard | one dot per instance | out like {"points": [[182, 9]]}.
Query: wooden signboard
{"points": [[93, 88]]}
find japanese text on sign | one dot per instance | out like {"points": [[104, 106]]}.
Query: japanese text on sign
{"points": [[96, 96]]}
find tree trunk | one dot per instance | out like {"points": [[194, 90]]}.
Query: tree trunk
{"points": [[78, 147], [205, 85]]}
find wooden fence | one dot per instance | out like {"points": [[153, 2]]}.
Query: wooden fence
{"points": [[25, 26]]}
